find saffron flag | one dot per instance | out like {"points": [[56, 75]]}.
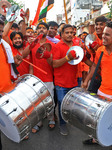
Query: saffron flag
{"points": [[43, 7]]}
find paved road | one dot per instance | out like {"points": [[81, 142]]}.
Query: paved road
{"points": [[52, 140]]}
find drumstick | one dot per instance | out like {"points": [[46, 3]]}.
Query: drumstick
{"points": [[34, 66]]}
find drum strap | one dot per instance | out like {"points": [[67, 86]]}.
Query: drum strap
{"points": [[90, 88]]}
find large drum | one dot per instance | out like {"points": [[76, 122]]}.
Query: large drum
{"points": [[24, 106], [89, 113]]}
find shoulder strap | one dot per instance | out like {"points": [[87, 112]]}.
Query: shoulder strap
{"points": [[95, 73]]}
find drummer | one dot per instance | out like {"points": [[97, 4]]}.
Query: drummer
{"points": [[99, 27], [5, 62], [65, 75], [105, 89], [45, 63]]}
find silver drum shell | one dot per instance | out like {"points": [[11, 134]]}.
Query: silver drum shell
{"points": [[90, 113], [24, 106]]}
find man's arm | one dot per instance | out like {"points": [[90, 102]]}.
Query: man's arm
{"points": [[6, 31], [89, 76], [59, 62], [26, 52], [88, 62]]}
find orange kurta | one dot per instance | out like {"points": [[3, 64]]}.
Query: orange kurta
{"points": [[5, 75]]}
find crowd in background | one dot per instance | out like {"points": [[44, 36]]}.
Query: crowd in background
{"points": [[61, 76]]}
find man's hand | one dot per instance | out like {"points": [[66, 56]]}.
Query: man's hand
{"points": [[30, 39], [42, 53], [34, 43], [94, 46], [84, 85], [71, 55], [17, 59], [22, 13]]}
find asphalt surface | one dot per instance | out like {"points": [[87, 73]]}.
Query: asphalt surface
{"points": [[52, 140]]}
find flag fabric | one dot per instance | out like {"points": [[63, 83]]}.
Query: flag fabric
{"points": [[47, 5], [37, 12], [43, 7]]}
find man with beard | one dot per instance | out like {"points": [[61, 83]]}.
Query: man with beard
{"points": [[45, 63], [6, 61], [18, 47]]}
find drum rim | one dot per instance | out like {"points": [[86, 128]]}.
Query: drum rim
{"points": [[99, 123], [14, 126]]}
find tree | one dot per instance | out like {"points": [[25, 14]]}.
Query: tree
{"points": [[109, 4], [15, 3]]}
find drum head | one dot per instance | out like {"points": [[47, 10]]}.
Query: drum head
{"points": [[79, 53], [7, 126], [104, 127]]}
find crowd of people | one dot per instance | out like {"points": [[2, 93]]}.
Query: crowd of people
{"points": [[23, 41]]}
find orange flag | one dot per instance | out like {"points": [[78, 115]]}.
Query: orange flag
{"points": [[38, 11]]}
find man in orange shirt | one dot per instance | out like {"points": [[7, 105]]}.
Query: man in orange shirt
{"points": [[105, 89], [5, 72], [99, 27]]}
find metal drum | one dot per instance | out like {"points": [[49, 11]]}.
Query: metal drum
{"points": [[89, 113], [24, 106]]}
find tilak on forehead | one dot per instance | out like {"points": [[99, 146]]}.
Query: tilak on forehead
{"points": [[41, 25], [29, 30], [17, 36]]}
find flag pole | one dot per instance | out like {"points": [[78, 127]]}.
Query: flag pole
{"points": [[65, 11]]}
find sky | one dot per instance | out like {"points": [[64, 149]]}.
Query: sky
{"points": [[33, 4]]}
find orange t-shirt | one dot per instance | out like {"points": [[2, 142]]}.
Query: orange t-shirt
{"points": [[106, 71], [5, 75], [98, 40]]}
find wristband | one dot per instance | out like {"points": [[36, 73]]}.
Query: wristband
{"points": [[67, 58]]}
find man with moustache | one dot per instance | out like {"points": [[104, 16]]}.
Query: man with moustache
{"points": [[65, 75], [105, 89], [53, 27], [16, 41], [45, 63], [18, 47]]}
